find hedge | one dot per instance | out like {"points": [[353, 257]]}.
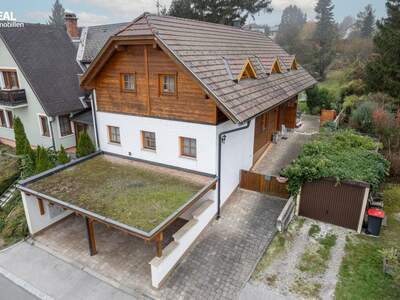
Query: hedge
{"points": [[344, 155]]}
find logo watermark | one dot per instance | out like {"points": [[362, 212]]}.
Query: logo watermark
{"points": [[7, 20]]}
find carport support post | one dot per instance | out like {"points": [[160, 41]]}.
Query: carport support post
{"points": [[159, 242], [90, 236]]}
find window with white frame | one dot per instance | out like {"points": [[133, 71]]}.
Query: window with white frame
{"points": [[44, 126], [65, 125]]}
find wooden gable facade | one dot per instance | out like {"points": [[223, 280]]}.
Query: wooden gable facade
{"points": [[147, 64]]}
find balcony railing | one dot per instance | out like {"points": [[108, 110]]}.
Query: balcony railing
{"points": [[12, 97]]}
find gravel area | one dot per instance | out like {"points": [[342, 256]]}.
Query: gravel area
{"points": [[282, 275]]}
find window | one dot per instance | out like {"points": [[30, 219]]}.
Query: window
{"points": [[44, 126], [113, 135], [167, 85], [128, 82], [188, 147], [10, 80], [2, 119], [149, 140], [65, 125], [10, 118]]}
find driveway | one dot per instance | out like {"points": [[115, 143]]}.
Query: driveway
{"points": [[225, 255], [280, 155], [217, 266]]}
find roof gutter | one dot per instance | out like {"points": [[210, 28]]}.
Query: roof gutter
{"points": [[221, 140]]}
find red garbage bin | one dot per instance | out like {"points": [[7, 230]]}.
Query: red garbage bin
{"points": [[375, 217]]}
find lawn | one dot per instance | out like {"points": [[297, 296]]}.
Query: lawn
{"points": [[122, 190], [361, 275], [8, 167], [333, 82]]}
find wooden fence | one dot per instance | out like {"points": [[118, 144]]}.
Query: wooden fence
{"points": [[263, 184]]}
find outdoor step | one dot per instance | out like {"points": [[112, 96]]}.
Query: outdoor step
{"points": [[202, 208], [183, 230]]}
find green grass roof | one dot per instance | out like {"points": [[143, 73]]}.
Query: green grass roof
{"points": [[122, 190]]}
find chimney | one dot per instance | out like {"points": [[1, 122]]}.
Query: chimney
{"points": [[71, 22], [236, 23]]}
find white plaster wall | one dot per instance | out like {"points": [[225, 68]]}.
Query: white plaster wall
{"points": [[237, 154], [29, 114], [162, 266], [167, 140], [37, 222]]}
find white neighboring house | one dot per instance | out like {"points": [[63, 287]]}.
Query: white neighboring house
{"points": [[39, 84]]}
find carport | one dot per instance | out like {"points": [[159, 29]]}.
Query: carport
{"points": [[136, 198]]}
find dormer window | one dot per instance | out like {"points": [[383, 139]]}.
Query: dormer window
{"points": [[247, 71], [276, 67], [294, 66]]}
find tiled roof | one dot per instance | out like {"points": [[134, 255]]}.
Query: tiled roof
{"points": [[96, 37], [47, 57], [215, 54], [206, 49]]}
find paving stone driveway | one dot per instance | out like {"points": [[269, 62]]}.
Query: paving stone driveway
{"points": [[223, 258]]}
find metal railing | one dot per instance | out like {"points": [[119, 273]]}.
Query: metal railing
{"points": [[13, 97]]}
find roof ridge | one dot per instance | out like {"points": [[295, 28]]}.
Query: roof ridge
{"points": [[109, 24]]}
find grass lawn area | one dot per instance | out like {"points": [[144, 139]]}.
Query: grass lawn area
{"points": [[8, 167], [122, 190], [361, 274], [333, 82]]}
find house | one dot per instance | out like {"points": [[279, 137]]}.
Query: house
{"points": [[39, 84], [170, 95]]}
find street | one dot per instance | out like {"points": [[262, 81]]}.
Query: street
{"points": [[11, 291]]}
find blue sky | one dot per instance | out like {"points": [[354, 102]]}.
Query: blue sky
{"points": [[91, 12]]}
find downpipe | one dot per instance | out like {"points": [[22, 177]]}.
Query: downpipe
{"points": [[221, 140]]}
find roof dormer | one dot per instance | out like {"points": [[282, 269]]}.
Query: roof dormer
{"points": [[247, 71], [276, 66], [294, 66]]}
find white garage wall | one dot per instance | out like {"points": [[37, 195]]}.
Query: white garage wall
{"points": [[35, 220], [167, 140], [237, 154]]}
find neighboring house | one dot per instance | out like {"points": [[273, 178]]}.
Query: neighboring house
{"points": [[39, 84], [165, 88]]}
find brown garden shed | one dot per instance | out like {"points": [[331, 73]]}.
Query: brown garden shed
{"points": [[339, 203]]}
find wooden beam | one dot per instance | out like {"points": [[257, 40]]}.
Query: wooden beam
{"points": [[90, 236], [146, 70], [159, 243], [41, 206]]}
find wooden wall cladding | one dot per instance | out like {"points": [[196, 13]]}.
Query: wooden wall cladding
{"points": [[189, 103]]}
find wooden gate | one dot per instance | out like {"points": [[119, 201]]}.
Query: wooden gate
{"points": [[263, 184], [342, 204]]}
